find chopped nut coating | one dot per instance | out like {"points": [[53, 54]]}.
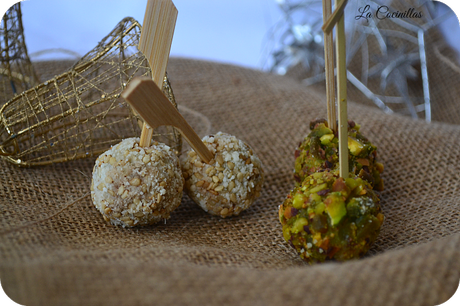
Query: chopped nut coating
{"points": [[137, 186], [230, 183]]}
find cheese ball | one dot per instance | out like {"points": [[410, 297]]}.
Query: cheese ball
{"points": [[319, 151], [230, 183], [135, 186], [331, 218]]}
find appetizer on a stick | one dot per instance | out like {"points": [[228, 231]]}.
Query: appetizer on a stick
{"points": [[230, 182], [134, 185], [319, 152], [331, 218]]}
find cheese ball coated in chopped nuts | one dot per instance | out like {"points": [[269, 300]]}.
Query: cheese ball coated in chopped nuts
{"points": [[232, 180], [331, 218], [134, 185], [319, 151]]}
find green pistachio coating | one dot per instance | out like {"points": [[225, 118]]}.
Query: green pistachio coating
{"points": [[319, 151], [331, 218]]}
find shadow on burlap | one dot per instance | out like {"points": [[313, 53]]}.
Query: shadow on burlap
{"points": [[194, 258]]}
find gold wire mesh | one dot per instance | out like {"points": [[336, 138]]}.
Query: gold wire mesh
{"points": [[16, 71], [80, 113]]}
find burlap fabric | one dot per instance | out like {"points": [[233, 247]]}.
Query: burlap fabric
{"points": [[75, 258]]}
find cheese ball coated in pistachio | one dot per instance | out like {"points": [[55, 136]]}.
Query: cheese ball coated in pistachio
{"points": [[134, 186], [331, 218], [230, 183], [319, 151]]}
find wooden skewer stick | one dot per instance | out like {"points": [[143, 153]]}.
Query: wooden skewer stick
{"points": [[329, 68], [155, 43], [154, 107], [342, 93], [334, 18]]}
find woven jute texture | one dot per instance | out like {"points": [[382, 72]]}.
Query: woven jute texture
{"points": [[75, 258]]}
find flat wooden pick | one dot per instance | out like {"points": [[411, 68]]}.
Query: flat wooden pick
{"points": [[155, 108], [155, 43]]}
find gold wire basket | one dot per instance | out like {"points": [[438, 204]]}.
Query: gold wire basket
{"points": [[80, 113], [16, 71]]}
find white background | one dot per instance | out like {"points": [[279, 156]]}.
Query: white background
{"points": [[230, 31]]}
